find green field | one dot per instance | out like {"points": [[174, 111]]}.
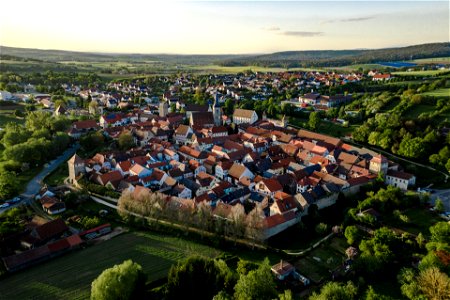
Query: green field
{"points": [[70, 276], [439, 93], [420, 73], [238, 69], [434, 60]]}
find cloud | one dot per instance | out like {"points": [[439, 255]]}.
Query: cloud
{"points": [[302, 33], [273, 28], [349, 20]]}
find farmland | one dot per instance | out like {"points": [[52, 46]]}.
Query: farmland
{"points": [[420, 73], [439, 93], [70, 276]]}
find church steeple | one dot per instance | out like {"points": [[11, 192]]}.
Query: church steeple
{"points": [[217, 112]]}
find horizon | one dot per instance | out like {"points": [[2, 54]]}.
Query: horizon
{"points": [[223, 28], [211, 54]]}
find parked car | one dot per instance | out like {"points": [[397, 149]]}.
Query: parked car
{"points": [[4, 205]]}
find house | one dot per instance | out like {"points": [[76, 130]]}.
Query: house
{"points": [[268, 186], [140, 171], [85, 126], [400, 179], [52, 205], [183, 134], [238, 171], [244, 116], [282, 270], [283, 203], [381, 77], [44, 233]]}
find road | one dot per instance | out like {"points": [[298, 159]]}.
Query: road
{"points": [[444, 195], [34, 186]]}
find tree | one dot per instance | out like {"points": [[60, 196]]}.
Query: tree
{"points": [[439, 205], [229, 106], [123, 281], [314, 120], [257, 284], [420, 239], [9, 186], [411, 147], [440, 232], [287, 295], [434, 284], [126, 140], [430, 283], [245, 266], [352, 234], [336, 291], [198, 278]]}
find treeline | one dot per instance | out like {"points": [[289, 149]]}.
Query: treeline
{"points": [[48, 81], [28, 146], [240, 222], [330, 58]]}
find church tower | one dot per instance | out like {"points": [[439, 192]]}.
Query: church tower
{"points": [[217, 112], [76, 167], [163, 108]]}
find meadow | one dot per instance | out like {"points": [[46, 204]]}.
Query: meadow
{"points": [[420, 73]]}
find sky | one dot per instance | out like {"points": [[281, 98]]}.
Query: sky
{"points": [[220, 27]]}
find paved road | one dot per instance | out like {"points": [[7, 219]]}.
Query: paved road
{"points": [[444, 195], [34, 186]]}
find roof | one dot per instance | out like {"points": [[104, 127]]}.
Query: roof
{"points": [[51, 229], [236, 170], [399, 174], [75, 159], [113, 177], [137, 169], [278, 219], [272, 184], [282, 268], [182, 130], [202, 118], [243, 113]]}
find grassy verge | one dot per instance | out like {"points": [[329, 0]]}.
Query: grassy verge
{"points": [[57, 177]]}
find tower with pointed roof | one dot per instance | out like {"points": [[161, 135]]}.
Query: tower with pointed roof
{"points": [[163, 108], [76, 167], [217, 112]]}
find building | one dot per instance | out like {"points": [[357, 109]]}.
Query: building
{"points": [[163, 108], [399, 179], [241, 116], [217, 112], [76, 167]]}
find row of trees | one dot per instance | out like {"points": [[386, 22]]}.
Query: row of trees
{"points": [[194, 278], [236, 224]]}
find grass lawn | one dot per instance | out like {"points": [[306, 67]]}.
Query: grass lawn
{"points": [[331, 255], [416, 110], [70, 276], [439, 93], [420, 73], [420, 220], [7, 116], [57, 177]]}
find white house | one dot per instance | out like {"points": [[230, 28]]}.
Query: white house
{"points": [[244, 116], [399, 179]]}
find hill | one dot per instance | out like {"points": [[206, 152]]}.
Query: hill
{"points": [[286, 59], [332, 58]]}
